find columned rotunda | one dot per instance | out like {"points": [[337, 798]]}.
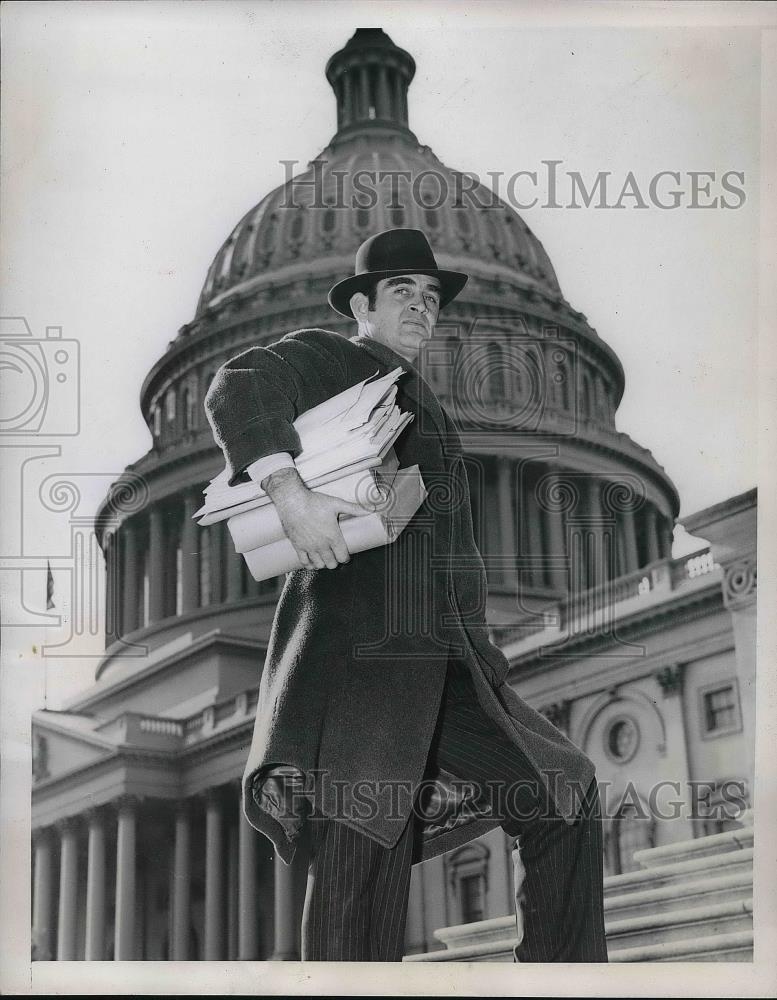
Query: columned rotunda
{"points": [[140, 846]]}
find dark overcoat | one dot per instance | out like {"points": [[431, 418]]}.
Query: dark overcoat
{"points": [[356, 663]]}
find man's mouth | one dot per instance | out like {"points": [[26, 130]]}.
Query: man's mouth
{"points": [[416, 323]]}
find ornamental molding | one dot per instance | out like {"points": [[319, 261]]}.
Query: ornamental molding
{"points": [[670, 679], [740, 579]]}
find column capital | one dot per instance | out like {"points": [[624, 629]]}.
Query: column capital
{"points": [[183, 807], [68, 824], [43, 836], [670, 679], [126, 803], [740, 580], [95, 814]]}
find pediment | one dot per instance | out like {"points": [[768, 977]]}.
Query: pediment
{"points": [[63, 743]]}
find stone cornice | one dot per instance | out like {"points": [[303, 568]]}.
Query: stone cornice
{"points": [[695, 523], [213, 638]]}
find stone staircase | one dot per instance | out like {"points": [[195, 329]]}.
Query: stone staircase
{"points": [[690, 902]]}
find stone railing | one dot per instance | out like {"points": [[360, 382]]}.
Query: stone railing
{"points": [[588, 609]]}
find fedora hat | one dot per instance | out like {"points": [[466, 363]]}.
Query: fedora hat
{"points": [[390, 253]]}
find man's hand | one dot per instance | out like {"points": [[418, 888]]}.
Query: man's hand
{"points": [[310, 519]]}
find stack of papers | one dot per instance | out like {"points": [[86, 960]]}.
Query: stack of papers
{"points": [[347, 451]]}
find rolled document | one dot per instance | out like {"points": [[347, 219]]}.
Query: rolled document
{"points": [[405, 495], [261, 525]]}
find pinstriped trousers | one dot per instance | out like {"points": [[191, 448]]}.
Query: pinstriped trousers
{"points": [[356, 904]]}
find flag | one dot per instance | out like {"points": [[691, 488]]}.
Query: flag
{"points": [[49, 587]]}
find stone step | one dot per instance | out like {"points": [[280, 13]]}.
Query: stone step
{"points": [[729, 887], [733, 947], [498, 950], [701, 847], [728, 861], [692, 923]]}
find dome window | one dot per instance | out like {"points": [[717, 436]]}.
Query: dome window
{"points": [[328, 221], [462, 220], [268, 237], [432, 219], [297, 226], [170, 405], [397, 217], [362, 218]]}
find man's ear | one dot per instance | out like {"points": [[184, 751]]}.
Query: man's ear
{"points": [[359, 305]]}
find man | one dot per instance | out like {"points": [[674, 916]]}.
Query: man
{"points": [[382, 699]]}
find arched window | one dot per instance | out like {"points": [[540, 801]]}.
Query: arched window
{"points": [[586, 398], [362, 218], [297, 226], [170, 405], [467, 881], [183, 406], [270, 229], [191, 406], [631, 829], [328, 220], [462, 221], [156, 420]]}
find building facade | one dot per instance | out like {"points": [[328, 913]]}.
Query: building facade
{"points": [[647, 662]]}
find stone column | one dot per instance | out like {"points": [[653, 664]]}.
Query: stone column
{"points": [[233, 860], [554, 520], [651, 528], [68, 892], [156, 564], [348, 110], [111, 619], [630, 555], [507, 545], [190, 555], [248, 930], [214, 877], [675, 751], [216, 549], [42, 896], [595, 550], [181, 883], [530, 511], [124, 931], [382, 101], [285, 913], [234, 570], [130, 611], [364, 90], [95, 888]]}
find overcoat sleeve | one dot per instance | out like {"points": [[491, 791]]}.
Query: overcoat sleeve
{"points": [[255, 397]]}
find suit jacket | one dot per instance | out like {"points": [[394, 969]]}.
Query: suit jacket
{"points": [[356, 662]]}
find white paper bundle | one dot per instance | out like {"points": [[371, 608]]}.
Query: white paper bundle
{"points": [[261, 525], [405, 495], [346, 434]]}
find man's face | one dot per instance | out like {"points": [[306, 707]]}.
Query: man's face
{"points": [[405, 313]]}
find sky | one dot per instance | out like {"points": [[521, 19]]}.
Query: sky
{"points": [[134, 136]]}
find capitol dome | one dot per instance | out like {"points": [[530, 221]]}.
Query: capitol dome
{"points": [[534, 389]]}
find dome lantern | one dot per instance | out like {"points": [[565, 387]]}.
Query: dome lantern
{"points": [[370, 77]]}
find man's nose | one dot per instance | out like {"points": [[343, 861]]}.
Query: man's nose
{"points": [[419, 305]]}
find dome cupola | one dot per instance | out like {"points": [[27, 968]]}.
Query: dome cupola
{"points": [[370, 77]]}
